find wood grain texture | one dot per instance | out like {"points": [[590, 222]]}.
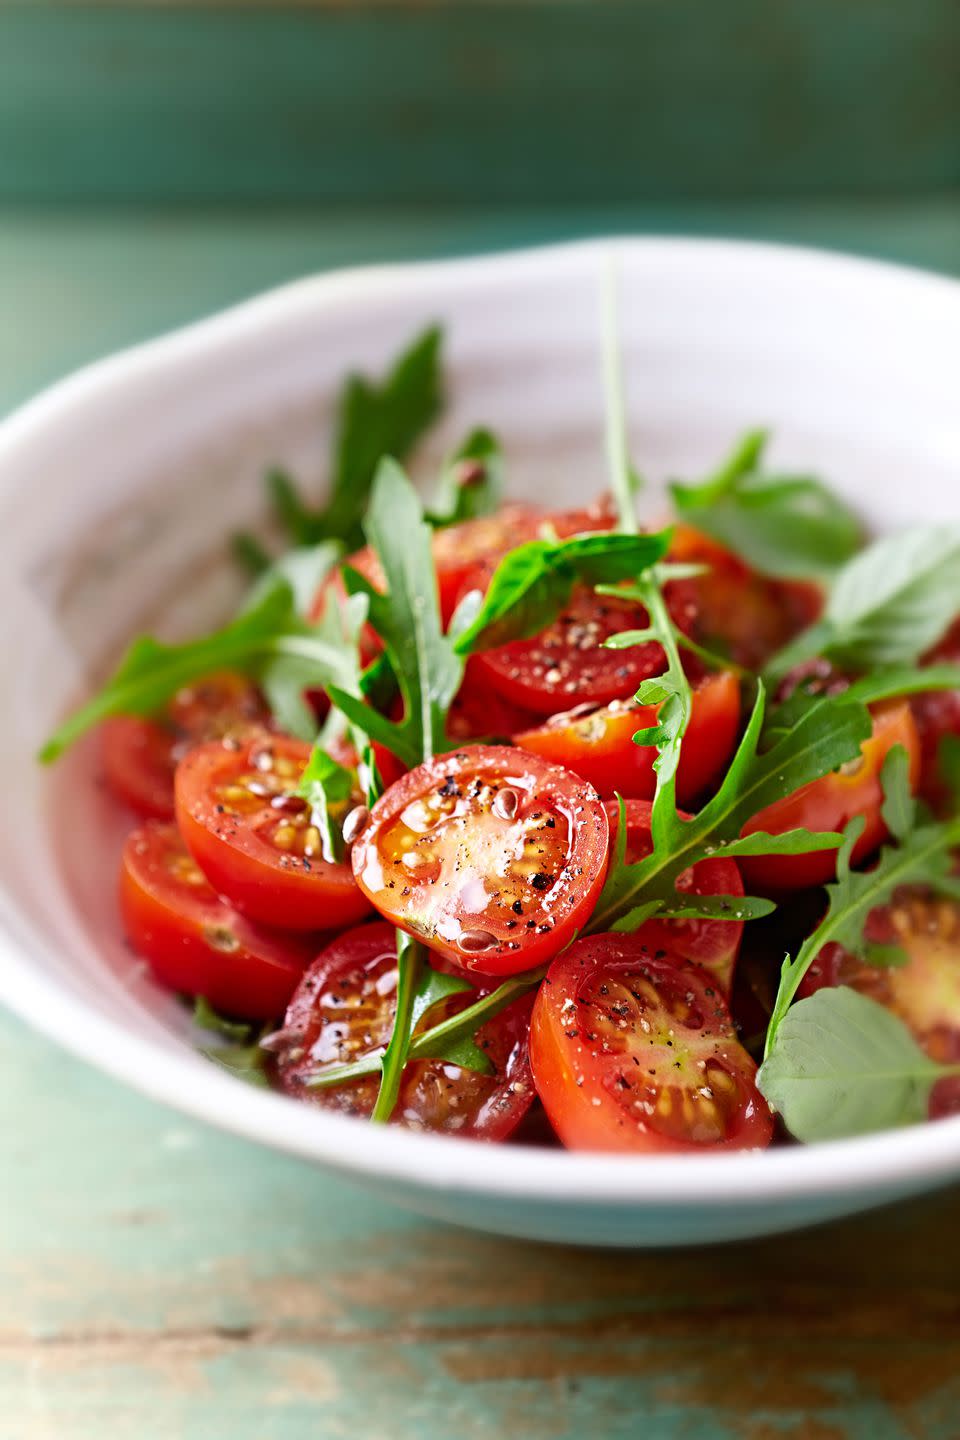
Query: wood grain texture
{"points": [[160, 1280], [579, 100]]}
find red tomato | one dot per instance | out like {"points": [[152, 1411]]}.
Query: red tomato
{"points": [[937, 714], [490, 856], [567, 664], [478, 712], [924, 992], [739, 612], [635, 1051], [139, 755], [344, 1010], [599, 744], [194, 941], [255, 840], [713, 944], [830, 803]]}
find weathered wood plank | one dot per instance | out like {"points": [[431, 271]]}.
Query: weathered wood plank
{"points": [[157, 1275], [594, 100]]}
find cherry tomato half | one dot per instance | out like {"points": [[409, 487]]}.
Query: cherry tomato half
{"points": [[193, 940], [478, 712], [139, 756], [713, 944], [924, 991], [254, 839], [492, 857], [635, 1051], [830, 803], [739, 612], [344, 1010], [567, 664], [937, 714], [599, 745]]}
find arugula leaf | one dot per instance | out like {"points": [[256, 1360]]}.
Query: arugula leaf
{"points": [[890, 684], [830, 733], [781, 525], [697, 907], [844, 1065], [328, 789], [922, 857], [205, 1017], [249, 554], [471, 484], [434, 986], [268, 641], [534, 582], [407, 619], [245, 1062], [411, 961], [304, 568], [888, 606]]}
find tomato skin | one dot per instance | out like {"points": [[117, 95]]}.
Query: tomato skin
{"points": [[937, 714], [194, 942], [745, 614], [344, 1008], [599, 745], [231, 837], [441, 862], [830, 803], [139, 755], [711, 944], [635, 1052], [478, 712]]}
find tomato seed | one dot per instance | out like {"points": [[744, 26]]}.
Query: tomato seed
{"points": [[506, 804], [354, 823], [473, 941]]}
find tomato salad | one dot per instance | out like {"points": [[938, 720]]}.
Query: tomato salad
{"points": [[480, 815]]}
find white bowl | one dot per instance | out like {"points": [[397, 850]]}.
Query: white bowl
{"points": [[118, 487]]}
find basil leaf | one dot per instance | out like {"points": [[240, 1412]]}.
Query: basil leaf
{"points": [[472, 482], [435, 986], [407, 619], [780, 525], [268, 641], [843, 1065], [888, 606], [533, 583]]}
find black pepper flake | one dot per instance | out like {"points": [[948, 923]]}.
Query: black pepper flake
{"points": [[517, 907], [541, 881]]}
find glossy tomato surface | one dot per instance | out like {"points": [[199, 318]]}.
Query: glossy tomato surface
{"points": [[830, 803], [491, 856], [923, 990], [139, 755], [479, 713], [344, 1010], [937, 714], [255, 839], [567, 664], [713, 944], [194, 941], [635, 1051], [740, 613], [598, 745]]}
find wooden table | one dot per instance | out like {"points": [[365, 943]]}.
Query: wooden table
{"points": [[159, 1281]]}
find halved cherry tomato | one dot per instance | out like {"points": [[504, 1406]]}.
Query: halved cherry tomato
{"points": [[739, 612], [567, 665], [491, 856], [255, 840], [599, 744], [478, 711], [636, 1051], [830, 803], [344, 1010], [194, 941], [937, 714], [714, 944], [924, 992], [139, 756]]}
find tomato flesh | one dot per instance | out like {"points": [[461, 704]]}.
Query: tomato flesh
{"points": [[344, 1010], [139, 755], [256, 841], [712, 944], [830, 803], [740, 613], [937, 714], [599, 745], [635, 1051], [491, 856], [194, 941]]}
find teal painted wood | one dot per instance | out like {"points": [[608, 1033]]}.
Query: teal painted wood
{"points": [[75, 284], [162, 1282], [563, 100]]}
